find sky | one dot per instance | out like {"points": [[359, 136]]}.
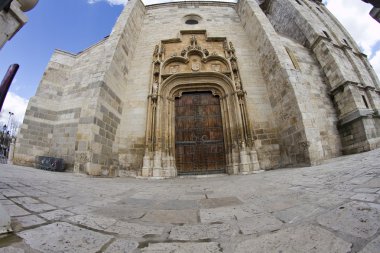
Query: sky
{"points": [[74, 25]]}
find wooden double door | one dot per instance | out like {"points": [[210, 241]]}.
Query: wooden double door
{"points": [[199, 142]]}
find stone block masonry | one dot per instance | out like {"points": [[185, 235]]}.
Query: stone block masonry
{"points": [[293, 86]]}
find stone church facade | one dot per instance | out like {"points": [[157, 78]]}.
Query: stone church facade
{"points": [[206, 87]]}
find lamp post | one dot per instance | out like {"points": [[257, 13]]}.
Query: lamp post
{"points": [[9, 122]]}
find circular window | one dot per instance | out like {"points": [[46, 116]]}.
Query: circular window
{"points": [[191, 22], [192, 19]]}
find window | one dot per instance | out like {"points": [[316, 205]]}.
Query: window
{"points": [[191, 22], [192, 19], [365, 101], [327, 35]]}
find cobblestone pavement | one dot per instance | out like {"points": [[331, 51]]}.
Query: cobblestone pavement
{"points": [[334, 207]]}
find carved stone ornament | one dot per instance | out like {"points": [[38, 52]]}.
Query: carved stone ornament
{"points": [[195, 66]]}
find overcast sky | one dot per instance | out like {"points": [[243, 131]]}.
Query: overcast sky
{"points": [[73, 25]]}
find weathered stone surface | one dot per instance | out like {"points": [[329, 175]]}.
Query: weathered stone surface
{"points": [[122, 246], [365, 197], [63, 237], [30, 220], [14, 210], [25, 200], [39, 207], [11, 250], [372, 247], [56, 215], [206, 247], [201, 232], [224, 214], [11, 193], [5, 221], [298, 191], [93, 221], [259, 223], [298, 239], [355, 218], [172, 216], [134, 229], [297, 213], [219, 202]]}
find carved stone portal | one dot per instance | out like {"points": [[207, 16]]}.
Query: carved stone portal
{"points": [[184, 65]]}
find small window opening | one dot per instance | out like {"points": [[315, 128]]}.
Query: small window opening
{"points": [[327, 35], [293, 58], [345, 42], [298, 2], [191, 22], [365, 101], [319, 10]]}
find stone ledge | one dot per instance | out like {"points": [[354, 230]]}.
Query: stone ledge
{"points": [[191, 3], [358, 114]]}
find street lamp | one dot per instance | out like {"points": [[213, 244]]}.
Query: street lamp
{"points": [[9, 119]]}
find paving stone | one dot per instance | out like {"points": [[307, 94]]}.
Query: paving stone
{"points": [[373, 183], [222, 214], [26, 200], [6, 202], [360, 180], [39, 207], [367, 190], [372, 247], [93, 221], [365, 197], [11, 250], [56, 215], [122, 246], [310, 239], [11, 193], [56, 201], [120, 212], [138, 203], [259, 223], [355, 218], [172, 216], [177, 205], [30, 220], [297, 213], [135, 229], [219, 202], [80, 209], [201, 232], [64, 237], [14, 210], [205, 247]]}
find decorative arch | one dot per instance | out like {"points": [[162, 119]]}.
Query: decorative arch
{"points": [[195, 75]]}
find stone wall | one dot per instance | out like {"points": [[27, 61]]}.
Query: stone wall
{"points": [[218, 20], [350, 78], [84, 110], [300, 139]]}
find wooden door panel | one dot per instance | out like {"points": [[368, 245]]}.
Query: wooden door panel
{"points": [[199, 134]]}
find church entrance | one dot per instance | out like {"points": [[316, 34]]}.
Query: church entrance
{"points": [[199, 142]]}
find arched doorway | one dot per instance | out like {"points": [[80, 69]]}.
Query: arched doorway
{"points": [[199, 138], [197, 120]]}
